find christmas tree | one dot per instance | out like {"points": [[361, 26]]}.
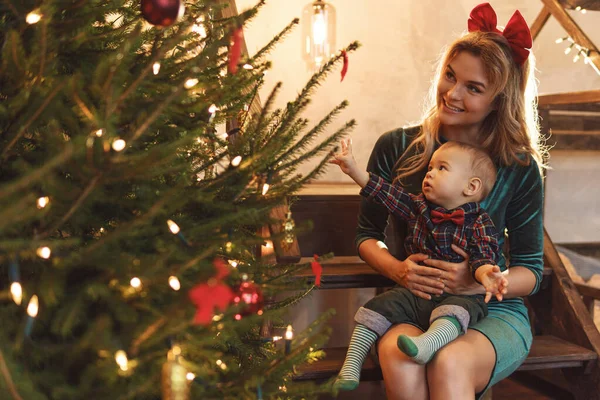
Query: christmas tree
{"points": [[137, 170]]}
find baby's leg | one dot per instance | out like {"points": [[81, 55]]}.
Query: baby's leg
{"points": [[448, 320], [373, 320]]}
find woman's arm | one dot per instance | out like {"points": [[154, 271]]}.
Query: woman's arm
{"points": [[421, 281]]}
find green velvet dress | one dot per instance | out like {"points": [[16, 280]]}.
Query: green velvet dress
{"points": [[515, 206]]}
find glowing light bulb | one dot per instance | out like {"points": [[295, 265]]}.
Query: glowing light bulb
{"points": [[212, 109], [233, 263], [190, 376], [33, 307], [174, 283], [265, 188], [42, 202], [121, 359], [190, 83], [156, 68], [99, 132], [135, 282], [236, 161], [319, 29], [289, 333], [118, 145], [173, 227], [33, 17], [44, 252], [17, 292], [248, 67]]}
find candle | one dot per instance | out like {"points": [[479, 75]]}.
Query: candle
{"points": [[289, 334]]}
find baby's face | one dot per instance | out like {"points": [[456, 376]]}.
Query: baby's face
{"points": [[447, 177]]}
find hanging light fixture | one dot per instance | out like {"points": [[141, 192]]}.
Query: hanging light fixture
{"points": [[318, 33]]}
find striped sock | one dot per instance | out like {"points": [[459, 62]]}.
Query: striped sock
{"points": [[362, 340], [423, 347]]}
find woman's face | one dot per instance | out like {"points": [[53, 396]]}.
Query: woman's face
{"points": [[464, 93]]}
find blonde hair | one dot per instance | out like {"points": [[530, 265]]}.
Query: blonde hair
{"points": [[482, 165], [511, 130]]}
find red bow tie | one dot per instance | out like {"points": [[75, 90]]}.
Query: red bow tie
{"points": [[457, 216]]}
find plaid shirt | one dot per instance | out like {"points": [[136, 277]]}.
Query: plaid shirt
{"points": [[478, 236]]}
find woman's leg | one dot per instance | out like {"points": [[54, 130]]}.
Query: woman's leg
{"points": [[403, 378], [462, 368]]}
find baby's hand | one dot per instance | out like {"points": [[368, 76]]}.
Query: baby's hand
{"points": [[344, 158], [494, 282]]}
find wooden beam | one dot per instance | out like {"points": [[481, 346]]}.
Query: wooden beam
{"points": [[590, 96], [588, 290], [574, 31], [539, 22], [587, 4]]}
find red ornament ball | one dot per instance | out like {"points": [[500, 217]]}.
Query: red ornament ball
{"points": [[250, 297], [162, 12]]}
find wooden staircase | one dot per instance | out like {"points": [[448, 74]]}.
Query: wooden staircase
{"points": [[566, 343]]}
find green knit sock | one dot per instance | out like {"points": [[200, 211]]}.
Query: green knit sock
{"points": [[423, 347], [360, 343]]}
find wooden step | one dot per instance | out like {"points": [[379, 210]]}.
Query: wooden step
{"points": [[351, 272], [546, 352]]}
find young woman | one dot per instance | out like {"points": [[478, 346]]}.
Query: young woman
{"points": [[484, 96]]}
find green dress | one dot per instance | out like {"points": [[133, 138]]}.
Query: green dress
{"points": [[515, 206]]}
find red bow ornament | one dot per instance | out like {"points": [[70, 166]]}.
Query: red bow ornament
{"points": [[212, 295], [483, 18], [456, 216], [317, 269]]}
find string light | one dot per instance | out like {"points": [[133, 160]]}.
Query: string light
{"points": [[118, 144], [265, 188], [581, 52], [190, 83], [173, 227], [233, 263], [42, 202], [568, 49], [156, 68], [33, 17], [190, 376], [99, 132], [135, 282], [32, 312], [44, 252], [236, 161], [248, 67], [174, 283], [121, 359], [289, 335], [16, 292]]}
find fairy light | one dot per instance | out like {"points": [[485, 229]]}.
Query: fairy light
{"points": [[190, 83], [228, 246], [233, 263], [277, 338], [236, 161], [135, 282], [173, 227], [289, 335], [560, 40], [248, 67], [121, 359], [174, 283], [568, 49], [33, 306], [190, 376], [212, 109], [99, 132], [44, 252], [16, 292], [43, 202], [265, 188], [156, 68], [33, 17], [118, 144]]}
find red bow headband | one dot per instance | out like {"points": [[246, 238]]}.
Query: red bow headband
{"points": [[483, 18]]}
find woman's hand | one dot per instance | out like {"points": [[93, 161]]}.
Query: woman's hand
{"points": [[421, 280], [456, 277]]}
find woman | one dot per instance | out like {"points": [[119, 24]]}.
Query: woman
{"points": [[484, 95]]}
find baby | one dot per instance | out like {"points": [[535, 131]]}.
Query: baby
{"points": [[445, 213]]}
